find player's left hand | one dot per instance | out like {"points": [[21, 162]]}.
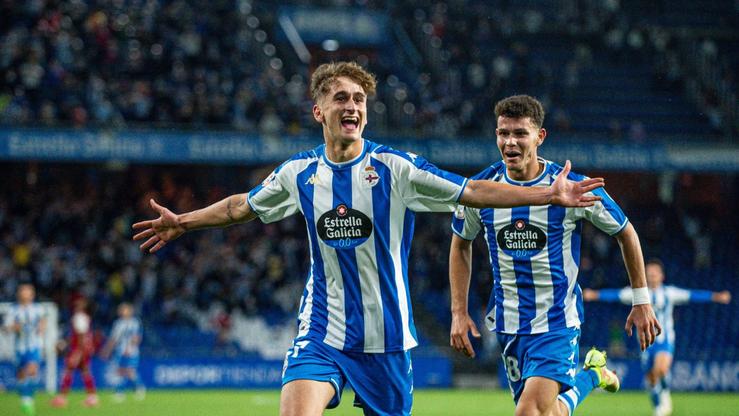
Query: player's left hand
{"points": [[572, 194], [646, 323], [462, 324]]}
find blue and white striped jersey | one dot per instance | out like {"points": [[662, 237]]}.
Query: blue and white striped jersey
{"points": [[535, 254], [123, 335], [664, 299], [360, 217], [29, 317]]}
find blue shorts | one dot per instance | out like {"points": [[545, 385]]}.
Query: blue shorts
{"points": [[127, 361], [382, 382], [648, 356], [553, 355], [22, 359]]}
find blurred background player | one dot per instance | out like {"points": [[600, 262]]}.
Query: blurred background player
{"points": [[27, 320], [80, 349], [657, 359], [536, 304], [124, 341]]}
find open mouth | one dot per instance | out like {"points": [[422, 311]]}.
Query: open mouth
{"points": [[350, 122], [511, 154]]}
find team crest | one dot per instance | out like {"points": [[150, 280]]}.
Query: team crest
{"points": [[370, 177], [341, 210], [269, 179], [459, 212]]}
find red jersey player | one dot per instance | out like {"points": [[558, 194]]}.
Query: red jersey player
{"points": [[80, 349]]}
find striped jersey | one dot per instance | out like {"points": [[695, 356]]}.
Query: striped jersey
{"points": [[535, 254], [29, 317], [664, 298], [126, 336], [359, 216]]}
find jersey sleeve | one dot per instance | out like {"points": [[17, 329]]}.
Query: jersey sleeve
{"points": [[426, 188], [605, 214], [115, 333], [466, 222], [10, 318], [271, 200], [680, 296], [615, 295]]}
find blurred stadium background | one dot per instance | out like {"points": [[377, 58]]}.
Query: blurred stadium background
{"points": [[104, 104]]}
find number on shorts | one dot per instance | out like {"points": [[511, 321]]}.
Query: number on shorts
{"points": [[511, 366], [297, 346]]}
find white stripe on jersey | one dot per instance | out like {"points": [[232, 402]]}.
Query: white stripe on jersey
{"points": [[323, 202], [571, 269], [542, 274], [369, 282]]}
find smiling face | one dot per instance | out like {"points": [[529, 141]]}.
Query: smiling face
{"points": [[518, 140], [342, 111]]}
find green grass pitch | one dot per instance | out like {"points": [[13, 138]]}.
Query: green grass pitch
{"points": [[426, 402]]}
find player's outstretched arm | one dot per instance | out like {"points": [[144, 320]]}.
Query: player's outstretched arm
{"points": [[642, 315], [169, 226], [460, 259], [489, 194]]}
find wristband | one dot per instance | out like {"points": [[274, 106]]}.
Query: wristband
{"points": [[640, 296]]}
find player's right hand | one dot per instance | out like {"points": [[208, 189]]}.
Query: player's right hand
{"points": [[462, 324], [647, 326], [159, 231]]}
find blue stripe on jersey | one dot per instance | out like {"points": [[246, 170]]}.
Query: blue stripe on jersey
{"points": [[347, 258], [555, 233], [610, 205], [319, 313], [385, 270], [524, 280], [409, 222], [488, 219]]}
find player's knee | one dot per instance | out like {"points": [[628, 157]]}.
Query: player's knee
{"points": [[529, 408]]}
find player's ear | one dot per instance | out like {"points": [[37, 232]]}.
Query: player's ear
{"points": [[542, 136], [317, 114]]}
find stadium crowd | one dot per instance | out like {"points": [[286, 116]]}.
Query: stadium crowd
{"points": [[115, 63], [69, 234]]}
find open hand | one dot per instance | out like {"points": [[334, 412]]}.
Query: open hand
{"points": [[572, 194], [159, 231]]}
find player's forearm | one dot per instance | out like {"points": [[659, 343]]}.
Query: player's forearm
{"points": [[228, 211], [460, 260], [489, 194], [632, 255]]}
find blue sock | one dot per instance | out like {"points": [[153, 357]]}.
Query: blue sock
{"points": [[121, 384], [136, 381], [25, 388], [655, 393], [585, 382]]}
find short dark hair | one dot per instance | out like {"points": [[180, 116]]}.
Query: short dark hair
{"points": [[519, 106], [656, 261], [325, 75]]}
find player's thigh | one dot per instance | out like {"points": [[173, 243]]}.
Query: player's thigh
{"points": [[305, 397], [539, 397], [311, 365], [662, 363]]}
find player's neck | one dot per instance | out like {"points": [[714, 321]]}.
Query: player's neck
{"points": [[339, 151], [532, 171]]}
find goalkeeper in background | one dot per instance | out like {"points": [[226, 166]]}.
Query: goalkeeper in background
{"points": [[80, 349], [657, 359]]}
